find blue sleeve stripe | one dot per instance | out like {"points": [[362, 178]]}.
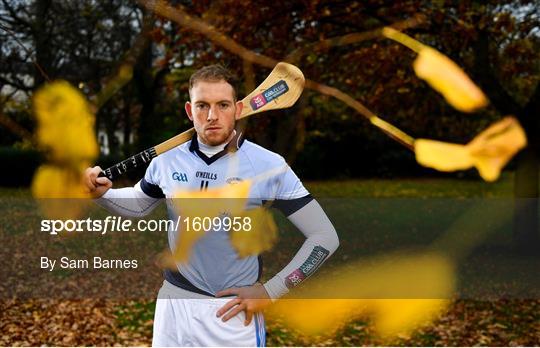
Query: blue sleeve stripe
{"points": [[257, 336], [263, 329], [291, 206], [151, 190]]}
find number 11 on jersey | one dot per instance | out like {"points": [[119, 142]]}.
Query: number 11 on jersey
{"points": [[204, 185]]}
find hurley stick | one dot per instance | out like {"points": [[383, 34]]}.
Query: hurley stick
{"points": [[281, 89]]}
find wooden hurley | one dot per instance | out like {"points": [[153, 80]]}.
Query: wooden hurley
{"points": [[280, 90]]}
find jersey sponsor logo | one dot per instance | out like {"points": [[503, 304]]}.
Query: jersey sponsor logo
{"points": [[314, 260], [182, 177], [206, 175], [234, 180], [270, 94]]}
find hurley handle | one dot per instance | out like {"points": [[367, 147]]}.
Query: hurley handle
{"points": [[135, 161]]}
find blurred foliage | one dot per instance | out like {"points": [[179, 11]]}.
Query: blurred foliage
{"points": [[495, 42]]}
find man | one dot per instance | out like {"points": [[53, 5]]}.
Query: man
{"points": [[188, 311]]}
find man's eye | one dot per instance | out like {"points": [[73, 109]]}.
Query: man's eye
{"points": [[224, 105], [201, 106]]}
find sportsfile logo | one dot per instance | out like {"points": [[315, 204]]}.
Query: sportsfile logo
{"points": [[270, 94], [182, 177]]}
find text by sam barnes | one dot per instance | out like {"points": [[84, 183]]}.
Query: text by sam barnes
{"points": [[95, 263]]}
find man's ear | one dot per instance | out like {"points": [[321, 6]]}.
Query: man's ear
{"points": [[239, 107], [189, 112]]}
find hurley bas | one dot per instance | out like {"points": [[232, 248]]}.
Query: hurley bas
{"points": [[96, 263]]}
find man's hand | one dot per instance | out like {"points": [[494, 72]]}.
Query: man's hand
{"points": [[250, 299], [96, 186]]}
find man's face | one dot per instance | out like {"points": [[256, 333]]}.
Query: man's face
{"points": [[213, 111]]}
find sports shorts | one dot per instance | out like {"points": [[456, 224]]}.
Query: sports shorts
{"points": [[187, 319]]}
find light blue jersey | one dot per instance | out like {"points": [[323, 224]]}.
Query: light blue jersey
{"points": [[214, 264]]}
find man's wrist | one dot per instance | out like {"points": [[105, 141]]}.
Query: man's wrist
{"points": [[275, 288], [106, 195]]}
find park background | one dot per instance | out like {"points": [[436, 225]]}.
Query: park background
{"points": [[145, 60]]}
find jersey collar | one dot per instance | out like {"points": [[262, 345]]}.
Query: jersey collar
{"points": [[233, 146]]}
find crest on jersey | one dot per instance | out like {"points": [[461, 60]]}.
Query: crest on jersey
{"points": [[182, 177], [234, 180]]}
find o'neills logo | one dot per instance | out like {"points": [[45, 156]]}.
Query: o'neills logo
{"points": [[206, 175]]}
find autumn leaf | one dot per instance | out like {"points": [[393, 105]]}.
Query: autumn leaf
{"points": [[60, 191], [317, 316], [214, 201], [66, 131], [221, 202], [444, 157], [495, 146], [443, 74], [449, 79], [489, 151], [258, 233], [393, 317], [396, 290], [65, 123]]}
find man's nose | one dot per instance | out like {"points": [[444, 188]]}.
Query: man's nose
{"points": [[212, 113]]}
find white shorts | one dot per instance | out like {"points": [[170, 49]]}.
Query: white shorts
{"points": [[188, 319]]}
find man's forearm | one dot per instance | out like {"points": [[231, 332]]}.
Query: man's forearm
{"points": [[128, 201], [321, 241]]}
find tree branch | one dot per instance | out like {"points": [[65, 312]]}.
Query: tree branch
{"points": [[352, 38], [14, 127]]}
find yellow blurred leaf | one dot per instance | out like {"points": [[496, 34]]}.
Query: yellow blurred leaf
{"points": [[449, 79], [51, 181], [236, 190], [317, 316], [394, 317], [65, 123], [60, 191], [213, 202], [401, 291], [495, 146], [445, 76], [259, 236], [489, 151], [185, 241], [442, 156], [228, 200]]}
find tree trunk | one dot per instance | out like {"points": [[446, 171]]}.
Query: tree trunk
{"points": [[526, 177], [526, 214], [43, 49], [526, 236]]}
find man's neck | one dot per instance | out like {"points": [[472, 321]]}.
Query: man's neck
{"points": [[210, 150]]}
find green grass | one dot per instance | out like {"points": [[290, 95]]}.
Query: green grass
{"points": [[135, 314], [418, 188]]}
